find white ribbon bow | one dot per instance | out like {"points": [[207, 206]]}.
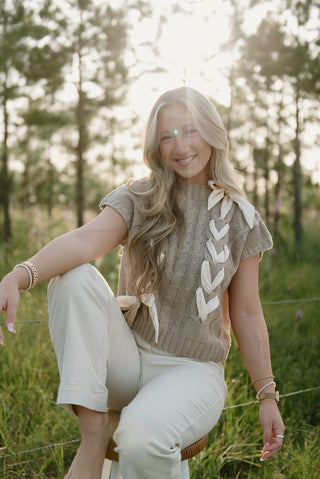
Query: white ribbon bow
{"points": [[131, 304], [218, 194]]}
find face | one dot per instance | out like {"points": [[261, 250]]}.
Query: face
{"points": [[181, 145]]}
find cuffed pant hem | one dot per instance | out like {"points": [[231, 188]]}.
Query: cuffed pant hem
{"points": [[72, 394]]}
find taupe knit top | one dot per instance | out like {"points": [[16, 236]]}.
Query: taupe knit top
{"points": [[198, 261]]}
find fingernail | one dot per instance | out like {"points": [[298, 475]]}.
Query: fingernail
{"points": [[267, 443], [10, 327]]}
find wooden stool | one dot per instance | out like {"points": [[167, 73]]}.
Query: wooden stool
{"points": [[111, 468]]}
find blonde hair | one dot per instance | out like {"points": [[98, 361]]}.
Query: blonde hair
{"points": [[158, 204]]}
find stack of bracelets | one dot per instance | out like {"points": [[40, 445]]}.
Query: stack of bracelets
{"points": [[32, 272], [261, 395]]}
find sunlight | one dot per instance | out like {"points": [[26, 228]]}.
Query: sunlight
{"points": [[191, 46], [189, 52]]}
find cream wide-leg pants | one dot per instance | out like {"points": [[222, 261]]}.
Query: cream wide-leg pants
{"points": [[167, 402]]}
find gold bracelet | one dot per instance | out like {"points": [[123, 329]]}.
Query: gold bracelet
{"points": [[274, 395], [33, 274], [34, 271], [29, 274]]}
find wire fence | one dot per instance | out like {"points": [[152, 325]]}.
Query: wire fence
{"points": [[61, 444], [285, 301]]}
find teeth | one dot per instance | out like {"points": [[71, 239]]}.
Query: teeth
{"points": [[184, 162]]}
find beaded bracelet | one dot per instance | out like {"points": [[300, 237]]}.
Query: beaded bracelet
{"points": [[32, 272]]}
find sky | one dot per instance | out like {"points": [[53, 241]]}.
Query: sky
{"points": [[190, 51], [189, 48]]}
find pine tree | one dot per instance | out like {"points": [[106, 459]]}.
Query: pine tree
{"points": [[28, 57], [98, 39]]}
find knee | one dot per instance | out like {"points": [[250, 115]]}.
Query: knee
{"points": [[139, 445], [81, 282], [135, 448], [73, 279]]}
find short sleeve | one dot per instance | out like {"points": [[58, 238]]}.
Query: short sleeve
{"points": [[258, 239], [121, 200]]}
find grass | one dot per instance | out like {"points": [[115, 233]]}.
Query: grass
{"points": [[29, 418]]}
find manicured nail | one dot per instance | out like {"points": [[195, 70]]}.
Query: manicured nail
{"points": [[10, 327]]}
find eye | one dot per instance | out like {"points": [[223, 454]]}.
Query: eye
{"points": [[166, 138], [191, 131]]}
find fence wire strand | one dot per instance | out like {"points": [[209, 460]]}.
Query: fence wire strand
{"points": [[59, 444], [288, 301], [285, 301]]}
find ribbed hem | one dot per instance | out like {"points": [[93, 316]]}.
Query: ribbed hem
{"points": [[78, 395], [216, 351]]}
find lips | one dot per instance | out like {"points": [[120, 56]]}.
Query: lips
{"points": [[186, 160]]}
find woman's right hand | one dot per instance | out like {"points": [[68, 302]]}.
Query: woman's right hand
{"points": [[10, 297]]}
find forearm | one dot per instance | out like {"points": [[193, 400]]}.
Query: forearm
{"points": [[252, 337], [60, 255], [251, 333], [91, 241]]}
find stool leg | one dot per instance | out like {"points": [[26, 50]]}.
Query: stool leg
{"points": [[185, 470], [111, 470], [115, 471], [106, 469]]}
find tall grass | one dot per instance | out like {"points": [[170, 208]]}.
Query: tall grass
{"points": [[29, 418], [234, 445]]}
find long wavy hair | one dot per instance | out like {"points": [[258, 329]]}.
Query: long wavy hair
{"points": [[158, 203]]}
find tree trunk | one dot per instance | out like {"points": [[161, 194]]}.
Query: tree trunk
{"points": [[297, 180], [255, 185], [230, 111], [5, 172], [277, 192], [279, 170], [50, 187], [266, 174], [80, 160], [81, 138]]}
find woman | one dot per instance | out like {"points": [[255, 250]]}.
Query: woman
{"points": [[191, 250]]}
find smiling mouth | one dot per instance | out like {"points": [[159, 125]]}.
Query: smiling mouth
{"points": [[185, 161]]}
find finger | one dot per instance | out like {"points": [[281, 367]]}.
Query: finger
{"points": [[278, 431], [271, 448], [11, 316], [267, 435], [267, 452], [2, 308], [270, 432], [10, 327]]}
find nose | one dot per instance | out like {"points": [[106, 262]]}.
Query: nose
{"points": [[181, 145]]}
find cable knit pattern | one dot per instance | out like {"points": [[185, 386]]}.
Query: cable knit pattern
{"points": [[198, 262], [219, 236]]}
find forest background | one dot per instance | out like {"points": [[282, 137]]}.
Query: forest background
{"points": [[76, 81]]}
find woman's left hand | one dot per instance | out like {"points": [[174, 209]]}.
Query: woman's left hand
{"points": [[273, 428]]}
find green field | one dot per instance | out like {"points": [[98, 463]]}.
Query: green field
{"points": [[30, 420]]}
